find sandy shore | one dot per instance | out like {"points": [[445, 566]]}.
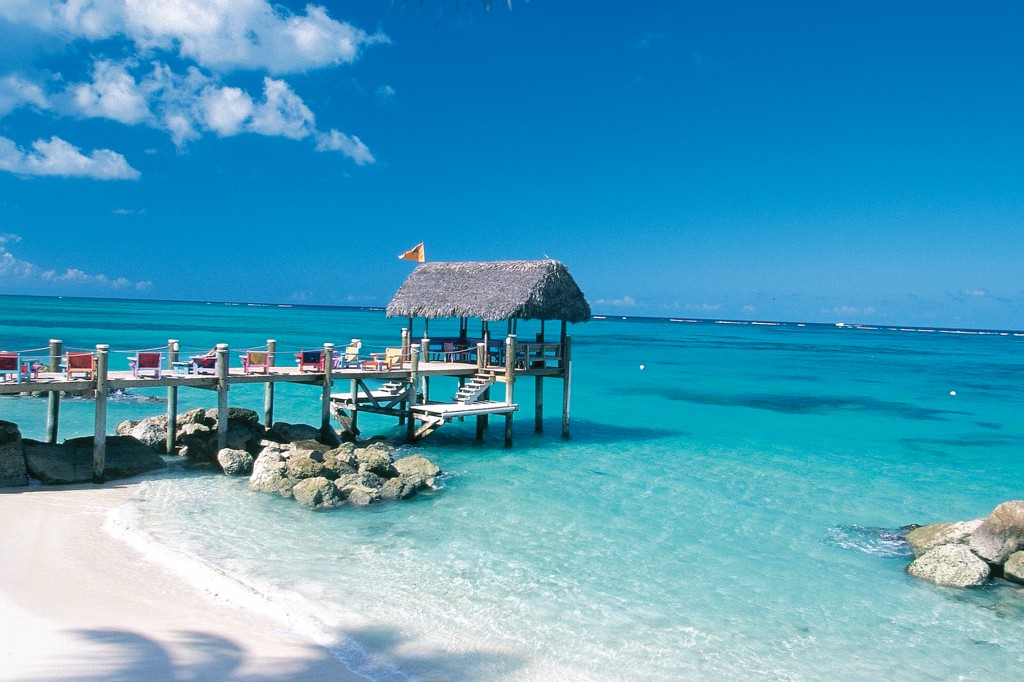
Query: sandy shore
{"points": [[79, 604]]}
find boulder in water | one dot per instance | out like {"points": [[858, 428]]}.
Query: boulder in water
{"points": [[1013, 569], [12, 456], [926, 538], [952, 566], [317, 493], [1001, 534], [234, 462]]}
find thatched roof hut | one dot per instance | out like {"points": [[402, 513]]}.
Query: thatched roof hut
{"points": [[491, 291]]}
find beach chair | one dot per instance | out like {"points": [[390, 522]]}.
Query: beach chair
{"points": [[10, 364], [389, 359], [349, 358], [256, 361], [310, 360], [79, 363], [146, 362], [204, 364]]}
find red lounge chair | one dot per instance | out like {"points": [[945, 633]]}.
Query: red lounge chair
{"points": [[10, 363], [146, 362], [310, 360], [204, 364], [80, 363], [257, 360]]}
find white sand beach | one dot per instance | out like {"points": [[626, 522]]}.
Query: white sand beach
{"points": [[80, 604]]}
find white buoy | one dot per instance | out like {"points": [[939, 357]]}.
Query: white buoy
{"points": [[641, 368], [952, 392]]}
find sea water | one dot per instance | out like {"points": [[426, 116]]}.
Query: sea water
{"points": [[728, 506]]}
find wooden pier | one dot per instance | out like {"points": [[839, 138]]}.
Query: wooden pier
{"points": [[396, 383]]}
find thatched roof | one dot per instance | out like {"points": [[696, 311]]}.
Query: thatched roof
{"points": [[500, 290]]}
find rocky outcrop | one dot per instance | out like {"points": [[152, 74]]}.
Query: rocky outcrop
{"points": [[71, 462], [359, 475], [968, 553], [951, 565], [12, 456]]}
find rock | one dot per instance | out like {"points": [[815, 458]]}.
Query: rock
{"points": [[268, 472], [952, 566], [1013, 569], [368, 478], [378, 459], [71, 462], [12, 456], [417, 471], [396, 489], [125, 428], [304, 467], [196, 416], [309, 448], [926, 538], [340, 460], [152, 432], [1001, 534], [290, 433], [361, 495], [234, 462], [317, 493]]}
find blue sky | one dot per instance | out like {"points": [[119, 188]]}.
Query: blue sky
{"points": [[849, 161]]}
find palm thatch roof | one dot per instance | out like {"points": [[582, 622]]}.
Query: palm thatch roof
{"points": [[491, 291]]}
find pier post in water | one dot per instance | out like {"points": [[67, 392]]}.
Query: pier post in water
{"points": [[172, 396], [99, 441], [566, 382], [268, 390], [510, 382], [481, 362], [414, 371], [425, 355], [538, 412], [53, 397], [222, 396], [325, 406]]}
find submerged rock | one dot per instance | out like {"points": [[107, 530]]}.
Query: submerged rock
{"points": [[417, 471], [952, 566]]}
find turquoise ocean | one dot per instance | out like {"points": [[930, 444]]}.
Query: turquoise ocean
{"points": [[727, 507]]}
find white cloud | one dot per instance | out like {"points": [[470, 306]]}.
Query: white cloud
{"points": [[113, 94], [13, 270], [748, 309], [352, 147], [282, 112], [850, 311], [224, 35], [15, 92], [61, 158], [385, 94], [703, 307], [225, 110], [975, 293]]}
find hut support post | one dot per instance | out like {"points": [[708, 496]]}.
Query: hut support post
{"points": [[405, 340], [268, 390], [566, 383], [414, 371], [355, 406], [172, 397], [425, 352], [99, 440], [481, 362], [53, 397], [222, 396], [325, 405], [510, 383], [538, 413]]}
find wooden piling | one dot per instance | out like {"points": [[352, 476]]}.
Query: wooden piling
{"points": [[566, 382], [99, 441], [414, 371], [325, 403], [222, 396], [53, 397], [425, 352], [172, 396], [268, 390], [510, 382], [481, 363], [538, 392]]}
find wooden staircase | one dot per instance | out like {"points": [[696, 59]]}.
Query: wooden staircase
{"points": [[476, 386]]}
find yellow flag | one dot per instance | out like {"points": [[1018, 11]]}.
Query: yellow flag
{"points": [[415, 253]]}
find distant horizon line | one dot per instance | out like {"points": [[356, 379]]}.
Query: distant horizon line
{"points": [[593, 316]]}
